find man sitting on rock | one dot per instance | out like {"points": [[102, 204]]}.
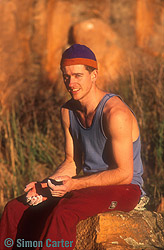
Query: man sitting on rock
{"points": [[102, 138]]}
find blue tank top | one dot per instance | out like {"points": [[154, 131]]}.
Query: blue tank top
{"points": [[93, 143]]}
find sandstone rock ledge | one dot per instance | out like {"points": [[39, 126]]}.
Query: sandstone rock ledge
{"points": [[121, 231]]}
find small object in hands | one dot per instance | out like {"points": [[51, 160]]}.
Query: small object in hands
{"points": [[37, 200], [28, 199], [34, 200], [54, 182]]}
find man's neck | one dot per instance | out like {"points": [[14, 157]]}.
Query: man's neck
{"points": [[89, 104]]}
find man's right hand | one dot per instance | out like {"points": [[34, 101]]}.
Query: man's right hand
{"points": [[33, 198], [30, 187]]}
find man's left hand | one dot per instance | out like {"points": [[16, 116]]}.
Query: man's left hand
{"points": [[61, 190]]}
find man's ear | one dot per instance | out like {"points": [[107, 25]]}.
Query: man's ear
{"points": [[94, 75]]}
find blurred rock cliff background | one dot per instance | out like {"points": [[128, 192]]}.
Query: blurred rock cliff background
{"points": [[128, 40]]}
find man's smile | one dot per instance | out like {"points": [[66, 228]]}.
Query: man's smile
{"points": [[74, 90]]}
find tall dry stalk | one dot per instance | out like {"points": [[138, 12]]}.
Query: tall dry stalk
{"points": [[12, 153]]}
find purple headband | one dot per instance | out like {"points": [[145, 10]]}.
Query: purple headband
{"points": [[78, 54]]}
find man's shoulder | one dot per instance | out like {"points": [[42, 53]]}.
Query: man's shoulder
{"points": [[115, 108], [69, 105], [115, 104], [116, 117]]}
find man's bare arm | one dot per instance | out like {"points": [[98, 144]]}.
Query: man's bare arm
{"points": [[68, 167], [119, 130]]}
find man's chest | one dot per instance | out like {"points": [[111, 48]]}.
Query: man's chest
{"points": [[86, 120]]}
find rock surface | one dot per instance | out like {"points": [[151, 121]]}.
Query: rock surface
{"points": [[120, 231], [58, 25], [149, 31]]}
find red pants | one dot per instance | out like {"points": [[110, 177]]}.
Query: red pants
{"points": [[52, 224]]}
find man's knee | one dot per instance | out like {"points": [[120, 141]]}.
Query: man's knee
{"points": [[16, 205], [11, 204]]}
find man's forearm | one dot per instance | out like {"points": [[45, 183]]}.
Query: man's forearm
{"points": [[105, 178], [66, 168]]}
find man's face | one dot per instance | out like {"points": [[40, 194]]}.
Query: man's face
{"points": [[78, 81]]}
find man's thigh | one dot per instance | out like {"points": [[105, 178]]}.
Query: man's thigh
{"points": [[93, 200]]}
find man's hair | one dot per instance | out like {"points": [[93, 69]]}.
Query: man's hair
{"points": [[89, 68]]}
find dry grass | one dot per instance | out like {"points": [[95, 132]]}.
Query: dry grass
{"points": [[31, 142]]}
